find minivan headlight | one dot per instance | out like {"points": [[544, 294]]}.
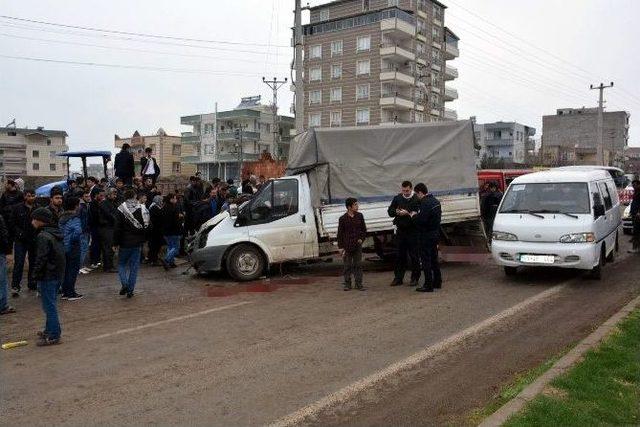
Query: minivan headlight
{"points": [[499, 235], [578, 238]]}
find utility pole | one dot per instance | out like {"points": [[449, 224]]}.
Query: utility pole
{"points": [[299, 94], [600, 146], [238, 134], [275, 84]]}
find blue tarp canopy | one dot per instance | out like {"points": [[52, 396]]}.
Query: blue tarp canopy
{"points": [[85, 154]]}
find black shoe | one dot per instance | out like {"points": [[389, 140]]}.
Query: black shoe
{"points": [[165, 265], [424, 289], [123, 291], [45, 340], [361, 288], [173, 265], [130, 294], [396, 282], [347, 287], [15, 293], [413, 282], [437, 285], [75, 297], [111, 270]]}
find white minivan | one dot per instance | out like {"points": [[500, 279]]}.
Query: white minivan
{"points": [[558, 218]]}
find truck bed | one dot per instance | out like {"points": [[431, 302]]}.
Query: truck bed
{"points": [[455, 208]]}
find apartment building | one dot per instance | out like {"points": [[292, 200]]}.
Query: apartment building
{"points": [[223, 141], [167, 149], [369, 62], [571, 136], [32, 152], [510, 142]]}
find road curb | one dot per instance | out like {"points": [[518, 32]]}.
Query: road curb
{"points": [[560, 367]]}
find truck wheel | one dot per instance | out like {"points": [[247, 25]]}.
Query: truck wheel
{"points": [[511, 271], [245, 262], [596, 272]]}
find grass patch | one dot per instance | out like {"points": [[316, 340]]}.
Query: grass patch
{"points": [[603, 389], [512, 389]]}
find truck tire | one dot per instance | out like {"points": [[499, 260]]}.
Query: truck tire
{"points": [[511, 271], [245, 263], [596, 272]]}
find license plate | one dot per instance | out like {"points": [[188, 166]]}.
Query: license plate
{"points": [[538, 259]]}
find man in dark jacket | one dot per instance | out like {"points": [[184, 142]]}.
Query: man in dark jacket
{"points": [[489, 208], [193, 195], [406, 238], [635, 216], [107, 212], [5, 249], [427, 221], [11, 197], [48, 271], [352, 231], [130, 233], [23, 234], [148, 166], [55, 203], [124, 165]]}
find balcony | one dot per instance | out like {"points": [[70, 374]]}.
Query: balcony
{"points": [[234, 157], [451, 51], [422, 61], [397, 28], [450, 94], [422, 35], [396, 53], [398, 77], [190, 159], [191, 120], [450, 72], [435, 112], [391, 100], [450, 114], [190, 139], [246, 136]]}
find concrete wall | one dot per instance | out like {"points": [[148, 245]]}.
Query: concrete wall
{"points": [[581, 129]]}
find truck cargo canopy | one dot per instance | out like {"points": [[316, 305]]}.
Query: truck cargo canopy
{"points": [[370, 162]]}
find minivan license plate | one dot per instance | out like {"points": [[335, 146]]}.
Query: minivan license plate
{"points": [[538, 259]]}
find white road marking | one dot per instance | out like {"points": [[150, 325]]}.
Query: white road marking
{"points": [[353, 389], [174, 319]]}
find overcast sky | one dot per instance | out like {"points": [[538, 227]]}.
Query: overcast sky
{"points": [[519, 60]]}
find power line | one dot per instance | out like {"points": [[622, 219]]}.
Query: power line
{"points": [[129, 33], [131, 49], [133, 67], [112, 37]]}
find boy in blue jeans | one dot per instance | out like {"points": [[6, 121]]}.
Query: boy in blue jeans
{"points": [[48, 271]]}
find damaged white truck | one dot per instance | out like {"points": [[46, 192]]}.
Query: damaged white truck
{"points": [[295, 218]]}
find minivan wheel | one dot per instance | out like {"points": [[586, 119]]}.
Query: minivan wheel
{"points": [[511, 271], [596, 272], [612, 256], [245, 262]]}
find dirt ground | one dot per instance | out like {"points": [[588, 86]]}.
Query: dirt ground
{"points": [[206, 351]]}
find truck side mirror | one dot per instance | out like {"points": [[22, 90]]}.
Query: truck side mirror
{"points": [[598, 211]]}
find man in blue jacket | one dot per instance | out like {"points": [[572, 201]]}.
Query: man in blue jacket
{"points": [[71, 227], [427, 221]]}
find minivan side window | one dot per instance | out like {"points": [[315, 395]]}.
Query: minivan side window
{"points": [[595, 192], [608, 204], [613, 191]]}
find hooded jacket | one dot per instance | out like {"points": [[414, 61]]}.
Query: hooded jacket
{"points": [[50, 257], [71, 228]]}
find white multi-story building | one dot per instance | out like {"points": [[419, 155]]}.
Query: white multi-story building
{"points": [[32, 152], [507, 141]]}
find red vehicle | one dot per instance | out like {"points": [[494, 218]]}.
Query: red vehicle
{"points": [[502, 177]]}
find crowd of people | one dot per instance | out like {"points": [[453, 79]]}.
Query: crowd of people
{"points": [[80, 229]]}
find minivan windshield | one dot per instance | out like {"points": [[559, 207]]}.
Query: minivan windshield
{"points": [[565, 198]]}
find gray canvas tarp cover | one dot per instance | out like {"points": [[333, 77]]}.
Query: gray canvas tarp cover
{"points": [[370, 162]]}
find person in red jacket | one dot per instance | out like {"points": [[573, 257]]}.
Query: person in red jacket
{"points": [[352, 231]]}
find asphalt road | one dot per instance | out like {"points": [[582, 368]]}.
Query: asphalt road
{"points": [[205, 351]]}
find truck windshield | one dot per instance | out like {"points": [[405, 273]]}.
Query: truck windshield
{"points": [[566, 198]]}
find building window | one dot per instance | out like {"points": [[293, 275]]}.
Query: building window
{"points": [[362, 91], [419, 117], [336, 119], [420, 48], [315, 97], [175, 168], [176, 150], [392, 3], [315, 52], [315, 119], [52, 167], [363, 67], [364, 43], [36, 166], [365, 5], [336, 48], [36, 154], [435, 32], [324, 14], [362, 116], [315, 74], [336, 71], [336, 94], [48, 142]]}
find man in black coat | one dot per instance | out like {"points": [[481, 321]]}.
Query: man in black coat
{"points": [[12, 196], [123, 165], [427, 221], [149, 167], [107, 211], [23, 236], [489, 208], [406, 238]]}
